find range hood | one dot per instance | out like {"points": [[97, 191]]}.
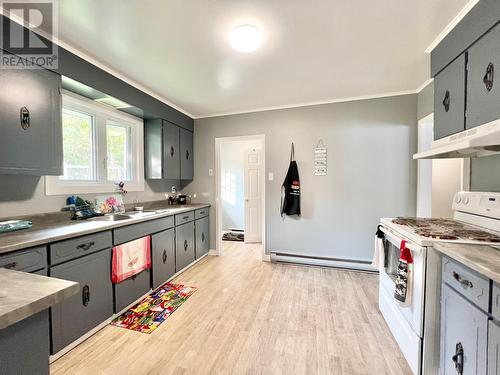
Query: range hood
{"points": [[481, 141]]}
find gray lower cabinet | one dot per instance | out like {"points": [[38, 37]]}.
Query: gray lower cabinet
{"points": [[202, 239], [31, 130], [132, 289], [186, 146], [24, 346], [163, 256], [493, 348], [79, 314], [483, 80], [184, 245], [449, 99], [464, 335]]}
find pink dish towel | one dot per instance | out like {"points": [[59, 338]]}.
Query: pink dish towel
{"points": [[131, 258]]}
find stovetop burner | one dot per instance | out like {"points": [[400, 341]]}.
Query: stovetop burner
{"points": [[446, 229]]}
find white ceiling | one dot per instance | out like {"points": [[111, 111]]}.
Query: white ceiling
{"points": [[313, 51]]}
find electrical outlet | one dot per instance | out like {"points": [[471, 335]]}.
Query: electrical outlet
{"points": [[210, 172], [174, 190], [271, 176]]}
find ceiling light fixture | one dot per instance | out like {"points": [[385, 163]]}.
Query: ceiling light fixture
{"points": [[246, 38]]}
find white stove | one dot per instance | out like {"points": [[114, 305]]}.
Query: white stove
{"points": [[416, 328]]}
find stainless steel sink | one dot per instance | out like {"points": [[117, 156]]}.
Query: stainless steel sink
{"points": [[163, 210], [111, 217]]}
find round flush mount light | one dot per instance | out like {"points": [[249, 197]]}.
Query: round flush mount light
{"points": [[246, 38]]}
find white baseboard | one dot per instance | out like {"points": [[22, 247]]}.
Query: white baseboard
{"points": [[93, 331], [266, 257], [213, 253]]}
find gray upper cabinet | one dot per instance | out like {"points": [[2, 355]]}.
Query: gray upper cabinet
{"points": [[168, 151], [171, 152], [82, 312], [161, 149], [464, 335], [30, 122], [163, 256], [153, 149], [449, 99], [483, 80], [186, 144]]}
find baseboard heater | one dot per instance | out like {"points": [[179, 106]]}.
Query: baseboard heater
{"points": [[313, 260]]}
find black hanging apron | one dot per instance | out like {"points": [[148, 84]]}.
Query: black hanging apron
{"points": [[290, 190]]}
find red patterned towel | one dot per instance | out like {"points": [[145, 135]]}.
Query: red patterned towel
{"points": [[131, 258]]}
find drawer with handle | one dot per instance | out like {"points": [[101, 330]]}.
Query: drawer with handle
{"points": [[467, 282], [135, 231], [80, 246], [186, 217], [29, 260], [202, 212]]}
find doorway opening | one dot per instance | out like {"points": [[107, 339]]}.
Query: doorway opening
{"points": [[240, 187], [438, 179]]}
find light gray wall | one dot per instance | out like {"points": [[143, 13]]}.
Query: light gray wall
{"points": [[425, 101], [371, 173], [485, 174], [25, 195]]}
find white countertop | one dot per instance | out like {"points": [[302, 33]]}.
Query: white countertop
{"points": [[481, 258], [41, 234]]}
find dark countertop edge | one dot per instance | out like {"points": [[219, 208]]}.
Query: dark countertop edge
{"points": [[454, 252], [101, 226], [16, 315]]}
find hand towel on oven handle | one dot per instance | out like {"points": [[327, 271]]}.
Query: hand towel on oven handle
{"points": [[378, 254], [404, 280], [131, 258]]}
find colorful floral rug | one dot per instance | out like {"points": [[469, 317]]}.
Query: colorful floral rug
{"points": [[152, 311]]}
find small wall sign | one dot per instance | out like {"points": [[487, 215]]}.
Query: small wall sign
{"points": [[320, 159]]}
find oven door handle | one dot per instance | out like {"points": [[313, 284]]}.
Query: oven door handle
{"points": [[397, 240]]}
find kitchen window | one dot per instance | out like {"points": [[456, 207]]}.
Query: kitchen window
{"points": [[101, 147]]}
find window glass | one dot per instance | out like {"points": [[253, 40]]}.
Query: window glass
{"points": [[118, 152], [78, 146]]}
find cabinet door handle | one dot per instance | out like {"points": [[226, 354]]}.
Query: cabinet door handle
{"points": [[172, 151], [489, 76], [185, 217], [164, 257], [458, 358], [202, 236], [85, 295], [24, 118], [185, 245], [10, 265], [446, 101], [461, 280], [85, 246], [187, 154]]}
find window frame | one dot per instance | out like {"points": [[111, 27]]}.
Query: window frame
{"points": [[102, 115]]}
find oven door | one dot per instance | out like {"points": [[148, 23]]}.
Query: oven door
{"points": [[414, 313]]}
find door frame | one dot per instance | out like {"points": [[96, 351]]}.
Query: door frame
{"points": [[218, 211]]}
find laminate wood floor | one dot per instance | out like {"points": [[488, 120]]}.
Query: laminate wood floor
{"points": [[253, 317]]}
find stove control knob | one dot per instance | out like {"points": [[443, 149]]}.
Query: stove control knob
{"points": [[465, 200], [458, 199]]}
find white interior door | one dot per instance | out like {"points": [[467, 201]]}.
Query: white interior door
{"points": [[253, 196]]}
